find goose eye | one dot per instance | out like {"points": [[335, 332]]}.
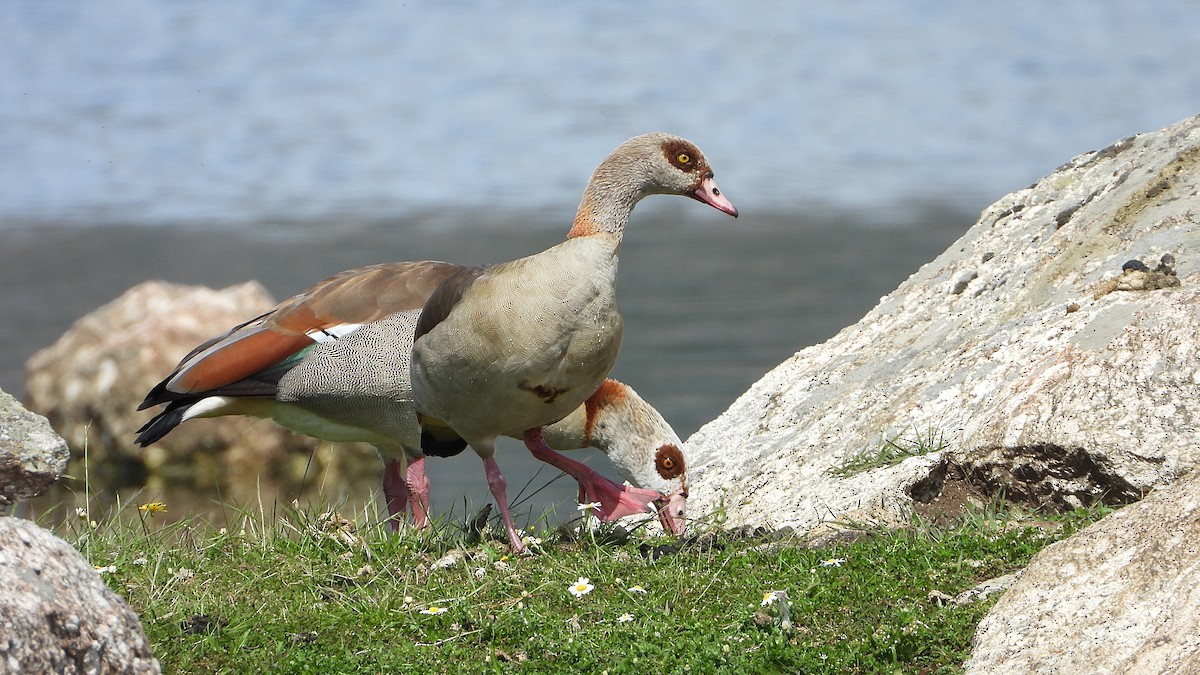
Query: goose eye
{"points": [[683, 158]]}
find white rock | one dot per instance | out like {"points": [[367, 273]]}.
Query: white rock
{"points": [[1122, 596], [56, 614], [1014, 348], [32, 456]]}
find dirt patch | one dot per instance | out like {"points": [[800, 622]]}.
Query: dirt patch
{"points": [[946, 495]]}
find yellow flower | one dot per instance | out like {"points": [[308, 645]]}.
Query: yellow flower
{"points": [[768, 598], [434, 609], [636, 589], [581, 587], [153, 508]]}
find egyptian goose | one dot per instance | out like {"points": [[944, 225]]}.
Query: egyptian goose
{"points": [[636, 439], [332, 362], [511, 348]]}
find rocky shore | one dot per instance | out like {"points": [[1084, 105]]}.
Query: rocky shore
{"points": [[1050, 357]]}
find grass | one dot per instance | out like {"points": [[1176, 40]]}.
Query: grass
{"points": [[891, 451], [309, 591]]}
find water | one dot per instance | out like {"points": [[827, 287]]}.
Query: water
{"points": [[142, 111], [212, 143]]}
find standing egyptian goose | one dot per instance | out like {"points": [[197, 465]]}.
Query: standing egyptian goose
{"points": [[509, 349], [333, 363]]}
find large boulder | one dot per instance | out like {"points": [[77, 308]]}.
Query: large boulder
{"points": [[56, 614], [1122, 596], [1053, 353], [32, 456], [90, 382]]}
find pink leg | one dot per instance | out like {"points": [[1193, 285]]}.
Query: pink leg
{"points": [[499, 488], [395, 492], [418, 485], [616, 501]]}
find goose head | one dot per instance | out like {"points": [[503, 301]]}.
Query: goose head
{"points": [[643, 447], [650, 164]]}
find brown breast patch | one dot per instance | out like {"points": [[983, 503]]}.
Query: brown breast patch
{"points": [[544, 392]]}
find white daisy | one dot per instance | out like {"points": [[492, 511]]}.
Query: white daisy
{"points": [[581, 587]]}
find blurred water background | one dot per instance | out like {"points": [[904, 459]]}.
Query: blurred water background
{"points": [[217, 142]]}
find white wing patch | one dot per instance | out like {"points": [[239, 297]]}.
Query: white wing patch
{"points": [[212, 406], [332, 333]]}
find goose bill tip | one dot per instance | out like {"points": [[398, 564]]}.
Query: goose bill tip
{"points": [[671, 514]]}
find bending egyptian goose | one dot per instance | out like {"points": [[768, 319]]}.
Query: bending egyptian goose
{"points": [[509, 349], [641, 445], [333, 363]]}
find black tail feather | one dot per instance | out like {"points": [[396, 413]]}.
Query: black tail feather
{"points": [[430, 445], [162, 423], [158, 394]]}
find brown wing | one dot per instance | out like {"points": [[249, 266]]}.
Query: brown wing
{"points": [[361, 295], [358, 296]]}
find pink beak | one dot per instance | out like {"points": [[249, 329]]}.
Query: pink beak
{"points": [[710, 194], [672, 512]]}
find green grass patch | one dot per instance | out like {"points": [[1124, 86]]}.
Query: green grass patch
{"points": [[891, 451], [309, 592]]}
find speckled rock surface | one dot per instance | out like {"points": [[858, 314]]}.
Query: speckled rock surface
{"points": [[1032, 352], [90, 382], [56, 614], [1122, 596], [32, 456]]}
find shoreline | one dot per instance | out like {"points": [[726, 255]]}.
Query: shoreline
{"points": [[709, 307]]}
